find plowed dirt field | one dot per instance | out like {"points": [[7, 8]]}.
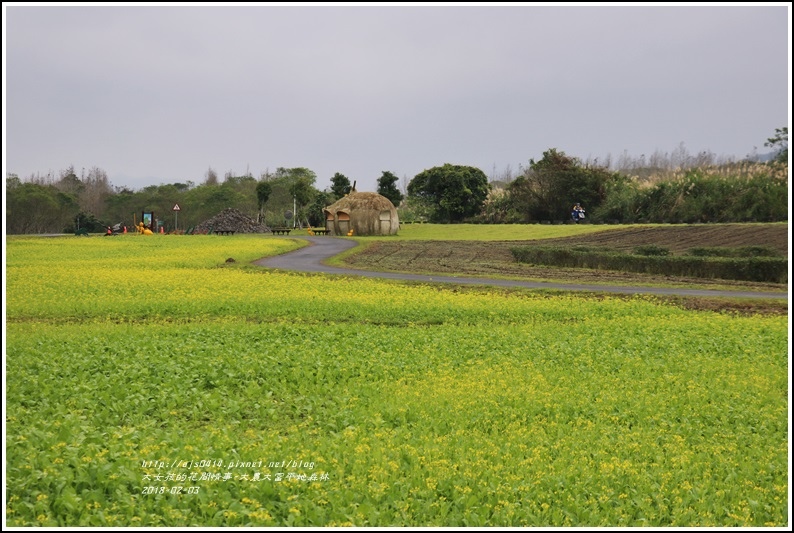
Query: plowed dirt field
{"points": [[493, 258], [681, 238]]}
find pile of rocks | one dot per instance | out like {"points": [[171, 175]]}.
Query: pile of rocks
{"points": [[233, 221]]}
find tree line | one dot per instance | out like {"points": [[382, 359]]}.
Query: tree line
{"points": [[547, 189], [66, 203], [543, 191]]}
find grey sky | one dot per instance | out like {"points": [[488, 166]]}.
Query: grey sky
{"points": [[160, 94]]}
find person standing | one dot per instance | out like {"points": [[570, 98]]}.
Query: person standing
{"points": [[577, 212]]}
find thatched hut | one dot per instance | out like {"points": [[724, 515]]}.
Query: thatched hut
{"points": [[365, 213]]}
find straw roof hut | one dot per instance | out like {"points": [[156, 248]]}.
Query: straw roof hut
{"points": [[365, 213]]}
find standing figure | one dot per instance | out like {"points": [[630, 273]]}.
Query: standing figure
{"points": [[577, 213]]}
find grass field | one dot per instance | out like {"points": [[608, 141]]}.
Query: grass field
{"points": [[491, 232], [152, 382]]}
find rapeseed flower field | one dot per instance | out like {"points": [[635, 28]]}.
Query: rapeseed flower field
{"points": [[151, 382]]}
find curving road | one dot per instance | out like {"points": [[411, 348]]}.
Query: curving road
{"points": [[310, 259]]}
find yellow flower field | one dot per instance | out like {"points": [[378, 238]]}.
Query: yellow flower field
{"points": [[152, 383]]}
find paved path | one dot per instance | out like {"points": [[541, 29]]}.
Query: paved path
{"points": [[310, 259]]}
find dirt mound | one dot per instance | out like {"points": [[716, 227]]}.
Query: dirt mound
{"points": [[231, 220]]}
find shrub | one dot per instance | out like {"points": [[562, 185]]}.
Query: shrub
{"points": [[744, 251], [651, 249], [761, 269]]}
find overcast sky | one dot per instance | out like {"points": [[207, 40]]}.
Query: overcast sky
{"points": [[160, 94]]}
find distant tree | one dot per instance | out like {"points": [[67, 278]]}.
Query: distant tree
{"points": [[455, 191], [124, 206], [284, 182], [550, 186], [780, 143], [95, 191], [387, 186], [88, 222], [33, 208], [69, 182], [415, 209], [210, 177], [303, 192], [340, 185], [217, 198], [296, 173], [263, 191], [314, 212], [238, 181], [12, 181]]}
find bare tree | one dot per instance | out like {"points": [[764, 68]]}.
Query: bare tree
{"points": [[96, 190], [658, 160], [210, 177], [69, 182]]}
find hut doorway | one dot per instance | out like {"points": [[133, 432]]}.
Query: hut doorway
{"points": [[343, 222], [385, 223]]}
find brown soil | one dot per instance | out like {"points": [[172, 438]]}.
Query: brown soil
{"points": [[679, 239], [493, 258]]}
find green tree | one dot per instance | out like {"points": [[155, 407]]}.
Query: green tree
{"points": [[284, 182], [780, 143], [124, 206], [263, 191], [314, 211], [303, 193], [550, 186], [88, 222], [415, 209], [33, 208], [205, 201], [455, 191], [340, 185], [387, 187]]}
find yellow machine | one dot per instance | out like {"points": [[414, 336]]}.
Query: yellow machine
{"points": [[143, 230]]}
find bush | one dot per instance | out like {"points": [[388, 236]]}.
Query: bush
{"points": [[651, 249], [737, 193], [744, 251]]}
